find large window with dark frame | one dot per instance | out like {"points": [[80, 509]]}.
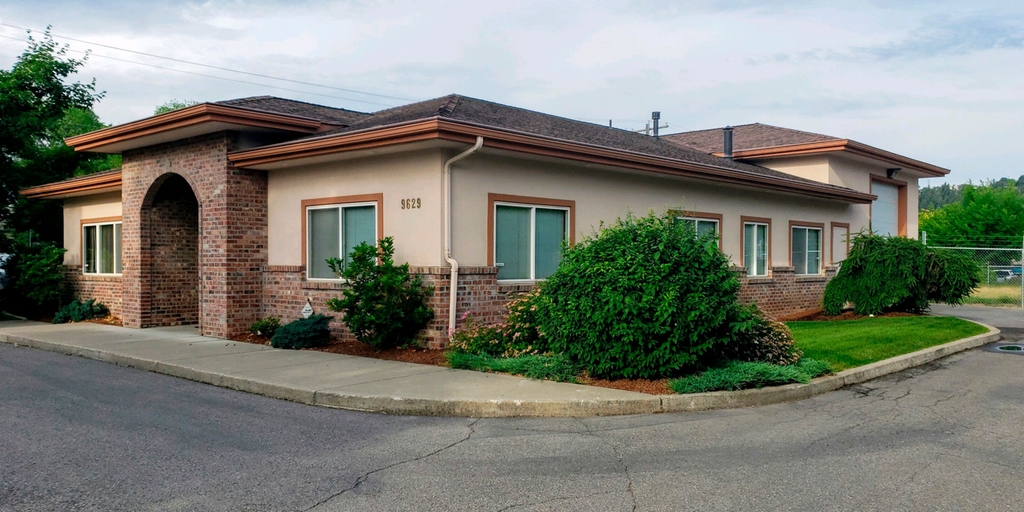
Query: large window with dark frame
{"points": [[806, 245], [333, 231], [528, 240], [101, 248]]}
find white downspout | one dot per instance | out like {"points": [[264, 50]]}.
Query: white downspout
{"points": [[448, 231]]}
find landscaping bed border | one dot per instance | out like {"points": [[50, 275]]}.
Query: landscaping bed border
{"points": [[535, 408]]}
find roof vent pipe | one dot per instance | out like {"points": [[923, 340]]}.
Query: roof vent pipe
{"points": [[727, 142], [656, 117]]}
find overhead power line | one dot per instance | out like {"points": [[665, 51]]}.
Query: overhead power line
{"points": [[93, 54], [220, 68]]}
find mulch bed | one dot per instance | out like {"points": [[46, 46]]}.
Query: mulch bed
{"points": [[651, 387], [107, 320], [850, 315]]}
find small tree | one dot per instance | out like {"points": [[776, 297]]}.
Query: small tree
{"points": [[898, 274], [384, 305], [35, 277]]}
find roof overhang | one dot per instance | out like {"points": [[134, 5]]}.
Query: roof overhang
{"points": [[840, 145], [99, 183], [277, 155], [189, 122]]}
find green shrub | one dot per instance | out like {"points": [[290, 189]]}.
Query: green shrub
{"points": [[761, 339], [514, 337], [555, 367], [78, 311], [314, 331], [644, 298], [898, 274], [35, 277], [746, 375], [265, 327], [384, 305]]}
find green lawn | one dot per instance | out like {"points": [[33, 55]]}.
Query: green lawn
{"points": [[850, 343]]}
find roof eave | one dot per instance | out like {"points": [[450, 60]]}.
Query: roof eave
{"points": [[840, 145], [106, 182], [462, 131], [191, 116]]}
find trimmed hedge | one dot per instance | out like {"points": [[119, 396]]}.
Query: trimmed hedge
{"points": [[78, 311], [645, 298], [309, 332]]}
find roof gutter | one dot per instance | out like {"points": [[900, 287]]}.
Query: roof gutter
{"points": [[454, 281], [840, 145]]}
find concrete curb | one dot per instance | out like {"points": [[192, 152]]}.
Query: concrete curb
{"points": [[520, 408]]}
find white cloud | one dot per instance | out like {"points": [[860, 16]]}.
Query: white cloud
{"points": [[933, 80]]}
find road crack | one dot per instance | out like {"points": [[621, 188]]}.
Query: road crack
{"points": [[359, 481], [619, 460]]}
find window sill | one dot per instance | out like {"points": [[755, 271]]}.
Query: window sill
{"points": [[323, 285], [100, 277], [760, 280], [810, 278]]}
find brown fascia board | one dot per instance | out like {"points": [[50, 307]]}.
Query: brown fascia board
{"points": [[189, 116], [103, 182], [461, 131], [844, 145]]}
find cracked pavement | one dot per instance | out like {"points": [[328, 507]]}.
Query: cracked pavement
{"points": [[85, 435]]}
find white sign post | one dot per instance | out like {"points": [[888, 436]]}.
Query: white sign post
{"points": [[307, 310]]}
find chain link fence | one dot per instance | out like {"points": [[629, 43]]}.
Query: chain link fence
{"points": [[1001, 273]]}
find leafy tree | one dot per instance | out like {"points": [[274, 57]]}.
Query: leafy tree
{"points": [[985, 217], [39, 106], [173, 105]]}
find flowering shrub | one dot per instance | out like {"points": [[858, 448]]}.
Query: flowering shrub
{"points": [[516, 336], [761, 339]]}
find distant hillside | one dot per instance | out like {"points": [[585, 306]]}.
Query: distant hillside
{"points": [[932, 198]]}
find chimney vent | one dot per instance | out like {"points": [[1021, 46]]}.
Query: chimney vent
{"points": [[727, 142], [656, 117]]}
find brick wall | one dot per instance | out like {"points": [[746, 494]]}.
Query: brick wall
{"points": [[785, 295], [105, 289], [174, 246], [233, 229]]}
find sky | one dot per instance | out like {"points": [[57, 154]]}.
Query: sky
{"points": [[940, 81]]}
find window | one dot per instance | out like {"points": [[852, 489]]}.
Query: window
{"points": [[806, 250], [885, 209], [333, 231], [528, 240], [702, 226], [755, 248], [101, 248]]}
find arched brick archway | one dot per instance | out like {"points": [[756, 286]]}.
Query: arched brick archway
{"points": [[169, 236]]}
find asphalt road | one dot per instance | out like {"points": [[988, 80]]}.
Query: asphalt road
{"points": [[77, 434]]}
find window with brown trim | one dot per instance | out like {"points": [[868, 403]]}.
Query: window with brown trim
{"points": [[702, 222], [806, 247], [333, 227], [525, 235], [840, 243], [755, 240], [101, 246]]}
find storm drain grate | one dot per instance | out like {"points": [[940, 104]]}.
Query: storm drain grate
{"points": [[1007, 347], [1010, 348]]}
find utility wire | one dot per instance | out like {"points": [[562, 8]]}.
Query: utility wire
{"points": [[260, 75], [92, 54]]}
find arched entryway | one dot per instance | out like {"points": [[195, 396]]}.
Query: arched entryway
{"points": [[169, 254]]}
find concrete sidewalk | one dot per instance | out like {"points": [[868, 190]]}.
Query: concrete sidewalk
{"points": [[319, 378], [391, 387]]}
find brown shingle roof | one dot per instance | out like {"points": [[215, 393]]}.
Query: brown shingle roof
{"points": [[496, 115], [746, 136], [322, 113]]}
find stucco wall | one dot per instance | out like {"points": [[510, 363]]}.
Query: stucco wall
{"points": [[602, 195], [86, 207], [417, 174], [856, 174]]}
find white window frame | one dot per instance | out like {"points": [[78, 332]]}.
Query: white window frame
{"points": [[341, 233], [807, 251], [533, 236], [96, 248], [768, 248]]}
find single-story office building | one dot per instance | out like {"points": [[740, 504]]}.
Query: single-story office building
{"points": [[223, 213]]}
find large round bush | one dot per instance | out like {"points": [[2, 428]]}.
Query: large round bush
{"points": [[644, 298]]}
